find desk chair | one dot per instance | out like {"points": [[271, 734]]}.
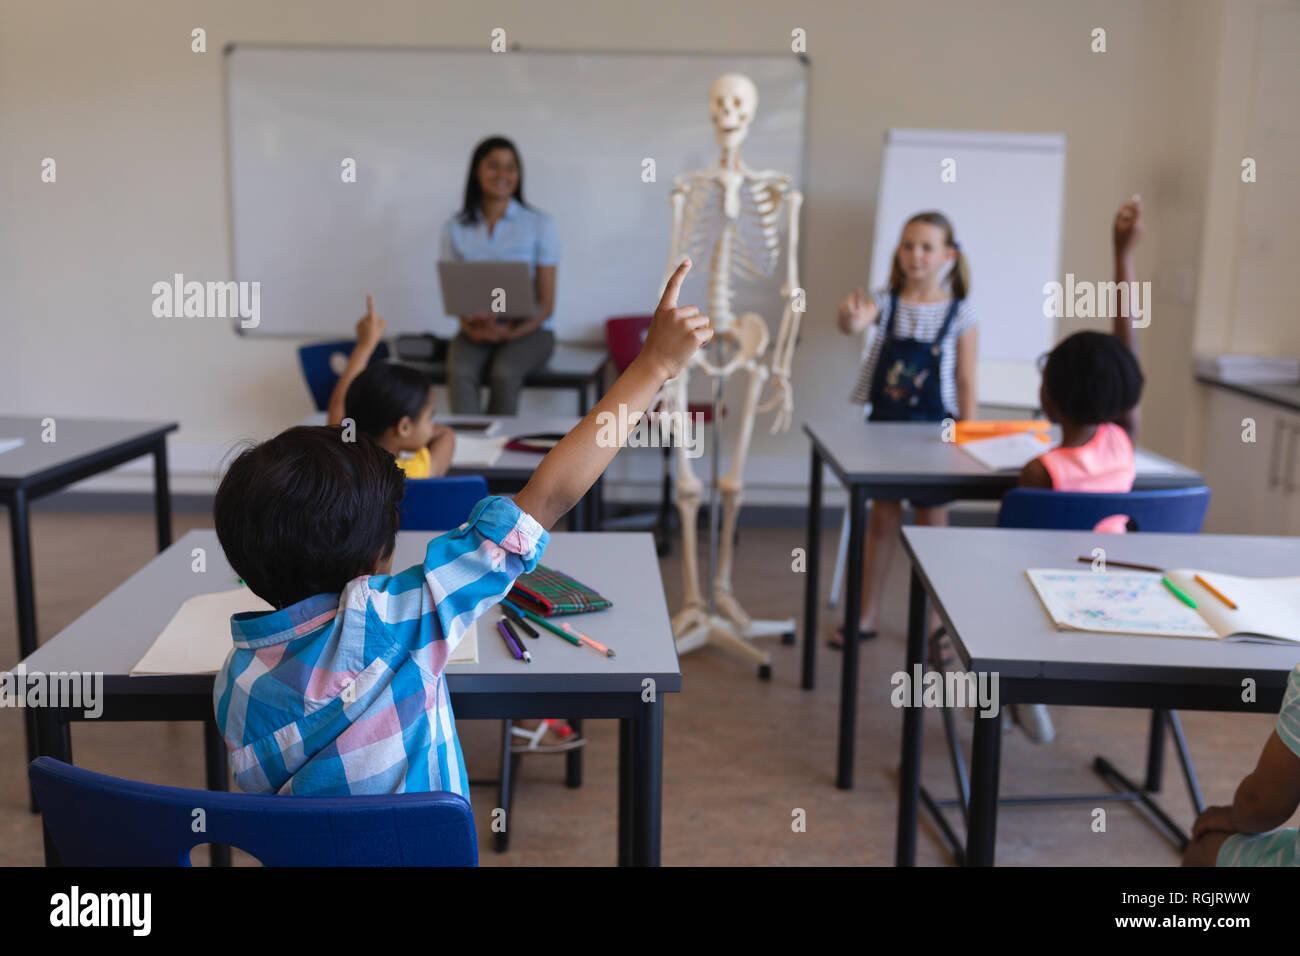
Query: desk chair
{"points": [[624, 336], [96, 820], [439, 504], [321, 368], [1174, 510]]}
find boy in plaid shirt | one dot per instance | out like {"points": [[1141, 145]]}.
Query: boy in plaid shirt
{"points": [[340, 690]]}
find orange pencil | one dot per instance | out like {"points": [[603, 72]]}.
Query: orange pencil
{"points": [[1213, 590]]}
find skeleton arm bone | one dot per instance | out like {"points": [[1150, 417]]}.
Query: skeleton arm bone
{"points": [[788, 337]]}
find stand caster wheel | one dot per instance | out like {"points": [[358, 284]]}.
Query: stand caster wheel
{"points": [[787, 637], [764, 671]]}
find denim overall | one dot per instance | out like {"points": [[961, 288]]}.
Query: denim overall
{"points": [[906, 386]]}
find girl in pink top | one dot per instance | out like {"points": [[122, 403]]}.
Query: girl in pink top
{"points": [[1090, 380], [1091, 387]]}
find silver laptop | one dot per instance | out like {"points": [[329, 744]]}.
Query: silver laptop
{"points": [[471, 287]]}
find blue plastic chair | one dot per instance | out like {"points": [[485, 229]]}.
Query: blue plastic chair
{"points": [[96, 820], [440, 504], [1180, 510], [321, 378]]}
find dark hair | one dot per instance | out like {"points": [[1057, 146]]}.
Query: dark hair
{"points": [[469, 211], [306, 512], [958, 278], [383, 394], [1092, 378]]}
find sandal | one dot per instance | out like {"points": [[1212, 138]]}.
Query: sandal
{"points": [[568, 738], [836, 642], [942, 656]]}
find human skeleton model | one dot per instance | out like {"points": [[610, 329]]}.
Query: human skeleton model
{"points": [[733, 213]]}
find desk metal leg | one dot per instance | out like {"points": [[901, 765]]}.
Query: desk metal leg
{"points": [[987, 751], [813, 557], [647, 785], [216, 767], [849, 676], [573, 760], [626, 788], [53, 739], [909, 776], [162, 499], [1156, 751], [25, 603]]}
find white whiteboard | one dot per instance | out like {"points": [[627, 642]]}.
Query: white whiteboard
{"points": [[1006, 207], [584, 123]]}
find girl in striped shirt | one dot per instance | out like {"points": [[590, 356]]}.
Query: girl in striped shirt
{"points": [[920, 366]]}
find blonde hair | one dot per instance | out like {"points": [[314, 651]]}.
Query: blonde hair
{"points": [[958, 278]]}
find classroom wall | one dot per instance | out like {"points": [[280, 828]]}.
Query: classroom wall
{"points": [[135, 122]]}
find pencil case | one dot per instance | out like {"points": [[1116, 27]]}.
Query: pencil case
{"points": [[549, 593]]}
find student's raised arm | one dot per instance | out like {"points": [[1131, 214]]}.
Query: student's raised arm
{"points": [[581, 456], [370, 332], [1125, 235]]}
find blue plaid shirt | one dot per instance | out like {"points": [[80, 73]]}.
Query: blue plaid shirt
{"points": [[344, 693]]}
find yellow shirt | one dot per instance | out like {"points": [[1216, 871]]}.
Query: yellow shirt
{"points": [[417, 465]]}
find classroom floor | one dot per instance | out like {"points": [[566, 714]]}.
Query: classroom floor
{"points": [[740, 756]]}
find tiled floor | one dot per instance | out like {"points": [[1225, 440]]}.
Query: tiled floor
{"points": [[741, 756]]}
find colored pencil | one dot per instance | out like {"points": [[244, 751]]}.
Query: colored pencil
{"points": [[1179, 594], [557, 631], [1124, 564], [510, 644], [514, 633], [1215, 591], [595, 645]]}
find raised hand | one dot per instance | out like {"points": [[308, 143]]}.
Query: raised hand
{"points": [[675, 332], [853, 314], [1128, 225], [370, 327]]}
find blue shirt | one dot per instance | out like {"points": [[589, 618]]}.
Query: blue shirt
{"points": [[520, 235], [345, 693]]}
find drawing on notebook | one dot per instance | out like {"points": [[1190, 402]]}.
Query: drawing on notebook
{"points": [[1135, 603]]}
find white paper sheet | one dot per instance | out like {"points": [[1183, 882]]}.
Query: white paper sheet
{"points": [[1006, 452], [197, 638], [472, 450]]}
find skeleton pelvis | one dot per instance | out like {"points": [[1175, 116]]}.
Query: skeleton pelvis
{"points": [[746, 339]]}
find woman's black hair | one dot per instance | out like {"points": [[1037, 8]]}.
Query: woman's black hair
{"points": [[1092, 378], [473, 205], [308, 511], [383, 394]]}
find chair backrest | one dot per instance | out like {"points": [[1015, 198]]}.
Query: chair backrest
{"points": [[1168, 509], [624, 336], [318, 367], [96, 820], [440, 504]]}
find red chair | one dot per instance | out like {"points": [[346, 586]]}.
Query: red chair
{"points": [[624, 336]]}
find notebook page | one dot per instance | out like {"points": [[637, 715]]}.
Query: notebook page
{"points": [[1267, 608], [1006, 451]]}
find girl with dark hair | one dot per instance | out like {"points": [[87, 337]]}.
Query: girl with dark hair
{"points": [[495, 224]]}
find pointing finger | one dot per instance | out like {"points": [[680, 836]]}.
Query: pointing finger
{"points": [[370, 304], [669, 299]]}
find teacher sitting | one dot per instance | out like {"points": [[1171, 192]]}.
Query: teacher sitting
{"points": [[495, 224]]}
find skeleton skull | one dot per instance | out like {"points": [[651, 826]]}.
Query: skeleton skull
{"points": [[733, 98]]}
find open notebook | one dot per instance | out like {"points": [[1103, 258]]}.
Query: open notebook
{"points": [[197, 638], [1138, 602]]}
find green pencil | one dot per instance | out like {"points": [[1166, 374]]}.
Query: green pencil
{"points": [[558, 632], [1179, 594]]}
